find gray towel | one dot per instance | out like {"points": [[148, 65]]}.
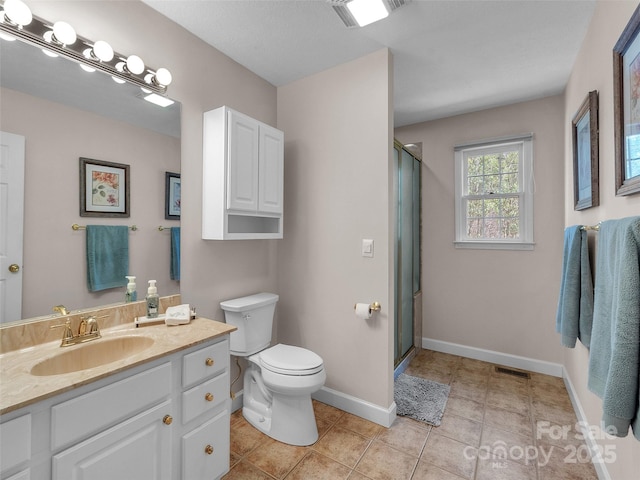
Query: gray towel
{"points": [[614, 361], [575, 304], [107, 256]]}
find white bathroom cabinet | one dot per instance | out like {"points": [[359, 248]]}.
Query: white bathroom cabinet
{"points": [[164, 420], [242, 177]]}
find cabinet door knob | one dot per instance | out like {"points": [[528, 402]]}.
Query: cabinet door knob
{"points": [[167, 420], [209, 361], [209, 397], [208, 449], [14, 268]]}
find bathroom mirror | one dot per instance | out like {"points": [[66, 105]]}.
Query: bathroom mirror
{"points": [[60, 106]]}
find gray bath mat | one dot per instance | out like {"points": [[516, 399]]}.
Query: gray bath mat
{"points": [[420, 399]]}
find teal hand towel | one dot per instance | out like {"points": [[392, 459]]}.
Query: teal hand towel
{"points": [[107, 256], [614, 360], [174, 270], [574, 315]]}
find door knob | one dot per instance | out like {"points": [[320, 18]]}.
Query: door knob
{"points": [[14, 268]]}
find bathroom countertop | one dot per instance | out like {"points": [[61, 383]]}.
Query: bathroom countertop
{"points": [[19, 388]]}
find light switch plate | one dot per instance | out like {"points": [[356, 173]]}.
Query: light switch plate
{"points": [[367, 247]]}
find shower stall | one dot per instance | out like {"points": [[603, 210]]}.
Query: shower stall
{"points": [[407, 246]]}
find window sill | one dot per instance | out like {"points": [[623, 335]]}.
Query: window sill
{"points": [[495, 245]]}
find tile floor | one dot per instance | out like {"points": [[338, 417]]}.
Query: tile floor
{"points": [[496, 426]]}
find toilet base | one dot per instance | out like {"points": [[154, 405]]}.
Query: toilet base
{"points": [[290, 419]]}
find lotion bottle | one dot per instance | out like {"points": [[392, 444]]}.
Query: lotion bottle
{"points": [[131, 295], [152, 300]]}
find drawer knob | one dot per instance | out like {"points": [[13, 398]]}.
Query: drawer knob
{"points": [[209, 397], [208, 449], [209, 362], [167, 420]]}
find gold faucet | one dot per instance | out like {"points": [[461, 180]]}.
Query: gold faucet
{"points": [[61, 309], [87, 330]]}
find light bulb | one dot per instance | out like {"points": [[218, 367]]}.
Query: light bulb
{"points": [[64, 33], [17, 12], [135, 64], [49, 53], [103, 51], [163, 77], [87, 68], [118, 80]]}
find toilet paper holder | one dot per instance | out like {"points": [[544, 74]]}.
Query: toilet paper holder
{"points": [[374, 307]]}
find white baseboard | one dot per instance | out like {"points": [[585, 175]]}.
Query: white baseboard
{"points": [[514, 361], [236, 403], [592, 444], [356, 406], [347, 403]]}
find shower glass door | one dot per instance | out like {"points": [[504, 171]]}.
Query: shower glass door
{"points": [[407, 248]]}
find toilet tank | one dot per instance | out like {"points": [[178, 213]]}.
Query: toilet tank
{"points": [[253, 317]]}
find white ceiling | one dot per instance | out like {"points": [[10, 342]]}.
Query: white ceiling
{"points": [[450, 56]]}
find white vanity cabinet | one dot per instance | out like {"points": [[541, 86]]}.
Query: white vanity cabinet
{"points": [[167, 419], [243, 177]]}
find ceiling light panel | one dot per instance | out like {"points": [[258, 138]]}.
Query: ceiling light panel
{"points": [[344, 10]]}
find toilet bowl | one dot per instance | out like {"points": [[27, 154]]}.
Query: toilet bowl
{"points": [[280, 379]]}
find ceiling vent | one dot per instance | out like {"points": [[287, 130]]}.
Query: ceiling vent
{"points": [[340, 7]]}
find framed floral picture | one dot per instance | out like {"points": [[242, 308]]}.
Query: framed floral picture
{"points": [[172, 196], [104, 189], [626, 94]]}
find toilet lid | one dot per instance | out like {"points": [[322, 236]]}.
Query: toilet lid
{"points": [[290, 360]]}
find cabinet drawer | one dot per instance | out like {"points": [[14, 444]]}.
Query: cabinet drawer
{"points": [[15, 442], [205, 450], [204, 397], [88, 414], [205, 363]]}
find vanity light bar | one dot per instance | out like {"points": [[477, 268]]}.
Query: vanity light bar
{"points": [[37, 31]]}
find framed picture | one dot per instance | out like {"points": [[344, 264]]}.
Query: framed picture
{"points": [[584, 126], [626, 94], [104, 189], [172, 196]]}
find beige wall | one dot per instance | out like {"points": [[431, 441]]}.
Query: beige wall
{"points": [[500, 300], [337, 158], [54, 255], [593, 70]]}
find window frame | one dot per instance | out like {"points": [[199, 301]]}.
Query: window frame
{"points": [[526, 179]]}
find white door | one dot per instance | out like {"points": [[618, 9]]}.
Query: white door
{"points": [[271, 170], [243, 163], [137, 449], [11, 225]]}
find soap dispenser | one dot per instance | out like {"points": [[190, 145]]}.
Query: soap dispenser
{"points": [[152, 300], [131, 295]]}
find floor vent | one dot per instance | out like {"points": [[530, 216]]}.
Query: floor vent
{"points": [[515, 373]]}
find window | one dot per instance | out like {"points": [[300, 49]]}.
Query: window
{"points": [[494, 194]]}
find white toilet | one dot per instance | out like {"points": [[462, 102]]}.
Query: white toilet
{"points": [[280, 380]]}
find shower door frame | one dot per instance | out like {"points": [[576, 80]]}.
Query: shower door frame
{"points": [[404, 343]]}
